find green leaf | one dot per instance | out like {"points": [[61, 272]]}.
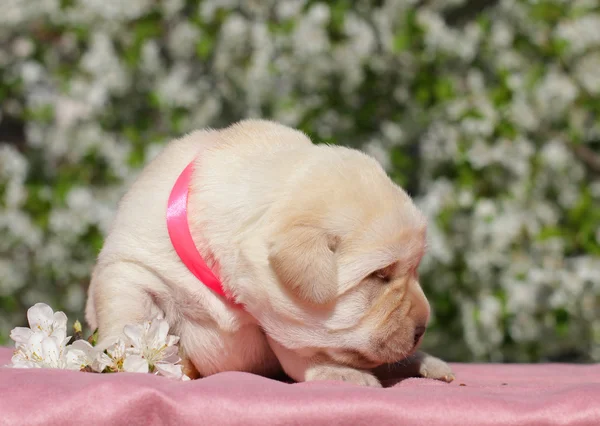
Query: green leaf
{"points": [[204, 46], [93, 339]]}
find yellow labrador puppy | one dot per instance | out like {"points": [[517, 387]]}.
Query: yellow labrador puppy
{"points": [[314, 248]]}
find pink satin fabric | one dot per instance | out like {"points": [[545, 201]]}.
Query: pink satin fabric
{"points": [[493, 395], [181, 238]]}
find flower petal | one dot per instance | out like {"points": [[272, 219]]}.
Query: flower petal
{"points": [[172, 340], [170, 355], [60, 335], [162, 330], [101, 362], [84, 346], [74, 359], [18, 362], [40, 317], [171, 371], [59, 320], [88, 352], [20, 358], [135, 334], [62, 342], [20, 334], [117, 349], [50, 352], [135, 364], [34, 345]]}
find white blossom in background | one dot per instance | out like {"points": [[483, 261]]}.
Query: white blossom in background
{"points": [[580, 33], [586, 71], [182, 41], [555, 93], [376, 150], [117, 10]]}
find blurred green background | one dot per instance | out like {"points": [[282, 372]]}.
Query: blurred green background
{"points": [[487, 112]]}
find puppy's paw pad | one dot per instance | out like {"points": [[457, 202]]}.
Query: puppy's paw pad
{"points": [[342, 374], [434, 368]]}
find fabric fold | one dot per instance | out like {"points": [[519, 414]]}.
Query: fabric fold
{"points": [[490, 394]]}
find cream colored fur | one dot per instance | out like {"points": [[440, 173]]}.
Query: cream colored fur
{"points": [[316, 241]]}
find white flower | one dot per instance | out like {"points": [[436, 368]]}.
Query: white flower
{"points": [[502, 34], [44, 343], [88, 355], [151, 344], [120, 357], [113, 359], [581, 33], [555, 93], [43, 351], [135, 364], [378, 151], [146, 348], [523, 114], [42, 319], [586, 71], [171, 371]]}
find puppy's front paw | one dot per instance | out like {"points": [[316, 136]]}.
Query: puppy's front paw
{"points": [[434, 368], [340, 373]]}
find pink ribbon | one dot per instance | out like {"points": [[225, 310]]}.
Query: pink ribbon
{"points": [[181, 237]]}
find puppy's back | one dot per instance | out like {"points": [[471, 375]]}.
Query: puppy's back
{"points": [[138, 233]]}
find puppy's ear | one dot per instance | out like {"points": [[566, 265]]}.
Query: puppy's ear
{"points": [[303, 258]]}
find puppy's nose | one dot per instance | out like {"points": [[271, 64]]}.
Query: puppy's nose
{"points": [[419, 331]]}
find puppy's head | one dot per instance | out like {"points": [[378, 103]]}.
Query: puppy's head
{"points": [[344, 250]]}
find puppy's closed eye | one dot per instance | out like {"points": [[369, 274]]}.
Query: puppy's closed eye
{"points": [[383, 275]]}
